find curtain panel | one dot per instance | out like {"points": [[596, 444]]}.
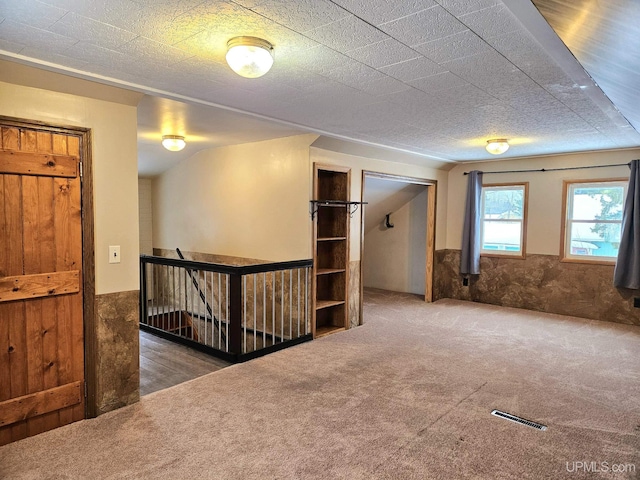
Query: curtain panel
{"points": [[627, 270], [470, 255]]}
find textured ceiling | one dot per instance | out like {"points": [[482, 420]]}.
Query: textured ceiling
{"points": [[432, 77]]}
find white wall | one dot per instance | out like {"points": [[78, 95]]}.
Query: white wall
{"points": [[545, 191], [249, 200], [395, 258], [115, 170], [358, 164], [145, 216]]}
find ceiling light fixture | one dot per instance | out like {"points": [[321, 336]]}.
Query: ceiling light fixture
{"points": [[249, 57], [173, 143], [496, 146]]}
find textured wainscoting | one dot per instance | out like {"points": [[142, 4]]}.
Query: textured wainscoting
{"points": [[541, 283], [118, 350]]}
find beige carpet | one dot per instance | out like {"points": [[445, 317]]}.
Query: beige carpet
{"points": [[407, 395]]}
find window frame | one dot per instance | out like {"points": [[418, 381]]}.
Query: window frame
{"points": [[566, 227], [521, 255]]}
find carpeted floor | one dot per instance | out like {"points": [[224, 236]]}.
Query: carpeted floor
{"points": [[406, 396]]}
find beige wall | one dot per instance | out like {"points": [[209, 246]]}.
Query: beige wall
{"points": [[249, 200], [252, 200], [115, 171], [395, 258], [358, 164], [545, 192], [145, 216]]}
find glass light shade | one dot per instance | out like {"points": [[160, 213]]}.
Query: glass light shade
{"points": [[249, 57], [497, 146], [173, 143]]}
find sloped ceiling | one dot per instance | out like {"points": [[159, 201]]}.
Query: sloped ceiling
{"points": [[203, 126], [435, 78], [604, 38], [386, 196]]}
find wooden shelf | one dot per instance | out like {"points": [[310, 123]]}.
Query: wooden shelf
{"points": [[320, 304], [326, 330], [331, 252], [328, 271]]}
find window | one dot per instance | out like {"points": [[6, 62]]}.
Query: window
{"points": [[504, 215], [593, 220]]}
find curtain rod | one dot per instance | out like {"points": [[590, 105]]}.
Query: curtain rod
{"points": [[556, 169]]}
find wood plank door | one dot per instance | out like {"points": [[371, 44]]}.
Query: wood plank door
{"points": [[41, 303]]}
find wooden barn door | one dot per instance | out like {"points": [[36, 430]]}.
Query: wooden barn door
{"points": [[41, 303]]}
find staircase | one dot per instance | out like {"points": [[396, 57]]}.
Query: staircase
{"points": [[176, 322]]}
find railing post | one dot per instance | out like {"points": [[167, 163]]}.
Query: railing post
{"points": [[235, 314], [143, 292]]}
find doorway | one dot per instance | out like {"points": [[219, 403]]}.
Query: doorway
{"points": [[398, 233], [45, 278]]}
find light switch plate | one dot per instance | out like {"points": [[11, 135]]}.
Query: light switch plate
{"points": [[114, 253]]}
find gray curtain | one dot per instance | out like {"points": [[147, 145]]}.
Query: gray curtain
{"points": [[627, 271], [470, 256]]}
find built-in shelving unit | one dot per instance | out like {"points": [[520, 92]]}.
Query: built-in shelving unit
{"points": [[331, 211]]}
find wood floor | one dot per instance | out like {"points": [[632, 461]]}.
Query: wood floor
{"points": [[164, 363]]}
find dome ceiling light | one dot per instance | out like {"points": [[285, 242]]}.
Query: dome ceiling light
{"points": [[497, 146], [249, 57], [173, 143]]}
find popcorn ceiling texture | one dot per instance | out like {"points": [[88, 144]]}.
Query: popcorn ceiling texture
{"points": [[432, 77]]}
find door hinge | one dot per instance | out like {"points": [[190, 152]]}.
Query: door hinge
{"points": [[85, 391], [80, 163]]}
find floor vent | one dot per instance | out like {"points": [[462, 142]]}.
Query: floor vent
{"points": [[522, 421]]}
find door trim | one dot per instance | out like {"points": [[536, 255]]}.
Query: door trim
{"points": [[88, 248], [432, 186]]}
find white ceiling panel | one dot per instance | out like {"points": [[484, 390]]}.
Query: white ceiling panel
{"points": [[166, 26], [354, 74], [301, 15], [346, 34], [383, 86], [154, 51], [462, 7], [34, 37], [383, 11], [93, 54], [453, 47], [31, 12], [384, 53], [106, 12], [440, 81], [11, 47], [91, 31], [413, 69], [424, 26], [47, 55], [432, 77], [318, 59], [492, 22]]}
